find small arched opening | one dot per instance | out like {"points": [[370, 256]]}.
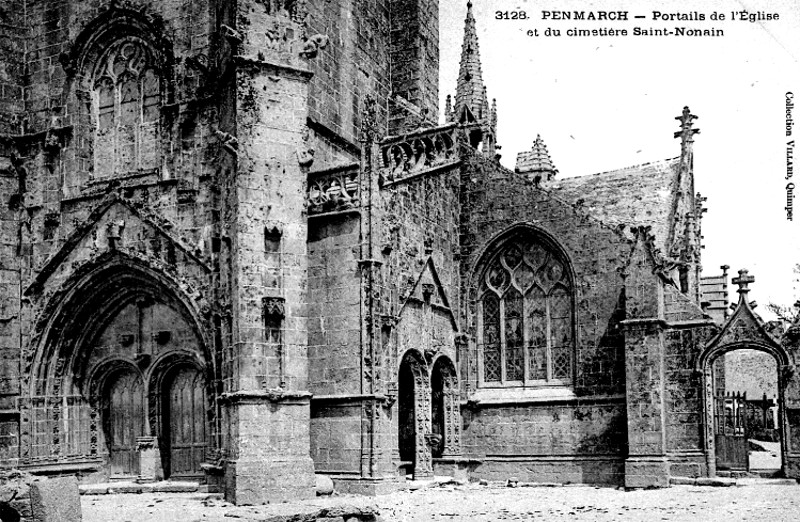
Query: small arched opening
{"points": [[414, 415]]}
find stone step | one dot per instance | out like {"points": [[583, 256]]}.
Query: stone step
{"points": [[726, 482], [758, 481], [167, 486], [720, 482], [753, 473]]}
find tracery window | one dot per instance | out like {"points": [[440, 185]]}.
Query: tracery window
{"points": [[127, 98], [525, 317]]}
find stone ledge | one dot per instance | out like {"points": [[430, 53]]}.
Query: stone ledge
{"points": [[260, 396], [349, 512], [543, 395], [702, 481], [112, 488]]}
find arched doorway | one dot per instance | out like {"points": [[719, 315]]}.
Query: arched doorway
{"points": [[723, 416], [445, 415], [185, 424], [747, 434], [414, 415], [121, 339], [123, 419]]}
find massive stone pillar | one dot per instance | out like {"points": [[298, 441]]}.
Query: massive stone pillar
{"points": [[266, 402], [646, 465]]}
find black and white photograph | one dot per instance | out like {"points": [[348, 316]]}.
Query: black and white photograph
{"points": [[399, 260]]}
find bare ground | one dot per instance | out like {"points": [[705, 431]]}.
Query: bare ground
{"points": [[757, 501]]}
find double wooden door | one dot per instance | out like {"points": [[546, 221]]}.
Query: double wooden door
{"points": [[183, 418]]}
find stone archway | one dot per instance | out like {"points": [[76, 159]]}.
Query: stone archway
{"points": [[414, 415], [710, 400], [445, 409], [743, 330], [112, 330]]}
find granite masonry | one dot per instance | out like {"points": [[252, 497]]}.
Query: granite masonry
{"points": [[240, 243]]}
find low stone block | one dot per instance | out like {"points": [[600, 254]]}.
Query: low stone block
{"points": [[682, 481], [718, 482], [176, 487], [125, 488], [324, 485], [93, 489], [646, 473], [56, 500]]}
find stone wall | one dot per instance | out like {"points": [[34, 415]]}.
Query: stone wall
{"points": [[415, 63], [353, 65], [12, 48], [334, 342], [495, 199], [492, 201]]}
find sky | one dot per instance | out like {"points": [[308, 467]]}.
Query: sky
{"points": [[603, 103]]}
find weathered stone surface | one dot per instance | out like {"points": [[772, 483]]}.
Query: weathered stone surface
{"points": [[56, 500], [324, 485], [93, 489]]}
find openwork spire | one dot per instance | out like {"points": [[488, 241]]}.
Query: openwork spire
{"points": [[471, 104], [536, 163], [471, 107]]}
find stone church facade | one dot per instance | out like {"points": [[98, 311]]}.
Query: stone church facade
{"points": [[237, 245]]}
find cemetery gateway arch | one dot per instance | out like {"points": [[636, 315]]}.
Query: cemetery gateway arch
{"points": [[745, 330]]}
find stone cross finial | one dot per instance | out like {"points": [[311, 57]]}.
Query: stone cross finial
{"points": [[743, 280], [687, 121]]}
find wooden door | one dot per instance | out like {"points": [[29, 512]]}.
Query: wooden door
{"points": [[187, 423], [730, 432], [124, 422]]}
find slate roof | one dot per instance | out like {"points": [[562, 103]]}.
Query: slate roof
{"points": [[638, 195]]}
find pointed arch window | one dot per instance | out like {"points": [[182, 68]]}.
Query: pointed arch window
{"points": [[526, 330], [127, 98]]}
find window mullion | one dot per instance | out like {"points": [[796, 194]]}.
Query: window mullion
{"points": [[115, 126], [548, 342], [482, 344], [525, 339], [502, 340]]}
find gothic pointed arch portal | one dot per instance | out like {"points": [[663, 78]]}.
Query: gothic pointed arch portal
{"points": [[414, 415], [743, 331], [123, 356]]}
